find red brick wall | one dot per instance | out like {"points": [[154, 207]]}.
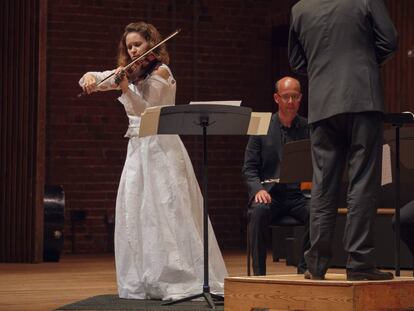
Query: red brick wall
{"points": [[222, 53]]}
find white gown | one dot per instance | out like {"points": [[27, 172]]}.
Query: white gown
{"points": [[158, 225]]}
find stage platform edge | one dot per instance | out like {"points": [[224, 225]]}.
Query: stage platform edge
{"points": [[293, 292]]}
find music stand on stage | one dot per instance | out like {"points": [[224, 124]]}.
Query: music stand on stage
{"points": [[398, 120], [203, 119], [296, 163]]}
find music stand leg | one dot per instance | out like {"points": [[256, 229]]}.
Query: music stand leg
{"points": [[397, 199], [204, 123], [209, 298]]}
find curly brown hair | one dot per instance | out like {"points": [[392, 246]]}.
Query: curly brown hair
{"points": [[150, 34]]}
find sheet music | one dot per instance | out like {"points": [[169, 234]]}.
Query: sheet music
{"points": [[223, 102], [386, 176], [259, 123], [149, 121]]}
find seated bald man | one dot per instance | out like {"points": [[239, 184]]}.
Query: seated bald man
{"points": [[262, 162]]}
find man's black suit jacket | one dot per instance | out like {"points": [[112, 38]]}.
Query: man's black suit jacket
{"points": [[264, 154], [340, 45]]}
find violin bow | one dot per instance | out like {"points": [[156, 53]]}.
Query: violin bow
{"points": [[137, 59]]}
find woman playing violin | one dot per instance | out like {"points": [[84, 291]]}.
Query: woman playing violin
{"points": [[158, 225]]}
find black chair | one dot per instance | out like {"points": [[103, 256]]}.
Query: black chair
{"points": [[284, 221]]}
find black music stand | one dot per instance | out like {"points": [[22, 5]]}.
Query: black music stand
{"points": [[397, 120], [296, 164], [203, 119]]}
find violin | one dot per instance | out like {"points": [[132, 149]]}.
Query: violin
{"points": [[140, 67], [138, 70]]}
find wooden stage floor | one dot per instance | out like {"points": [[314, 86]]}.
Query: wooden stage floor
{"points": [[47, 286]]}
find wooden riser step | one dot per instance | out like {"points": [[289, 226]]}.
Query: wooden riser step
{"points": [[293, 292]]}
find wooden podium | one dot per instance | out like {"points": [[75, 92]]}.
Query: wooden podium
{"points": [[293, 292]]}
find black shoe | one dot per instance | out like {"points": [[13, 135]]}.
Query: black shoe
{"points": [[310, 276], [372, 274]]}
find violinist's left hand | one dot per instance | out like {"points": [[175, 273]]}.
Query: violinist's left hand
{"points": [[123, 84]]}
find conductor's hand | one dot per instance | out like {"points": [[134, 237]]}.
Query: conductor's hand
{"points": [[89, 83], [263, 197]]}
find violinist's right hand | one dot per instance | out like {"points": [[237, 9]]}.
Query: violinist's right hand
{"points": [[89, 83]]}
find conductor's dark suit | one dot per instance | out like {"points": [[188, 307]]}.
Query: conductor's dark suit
{"points": [[340, 45], [262, 162]]}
